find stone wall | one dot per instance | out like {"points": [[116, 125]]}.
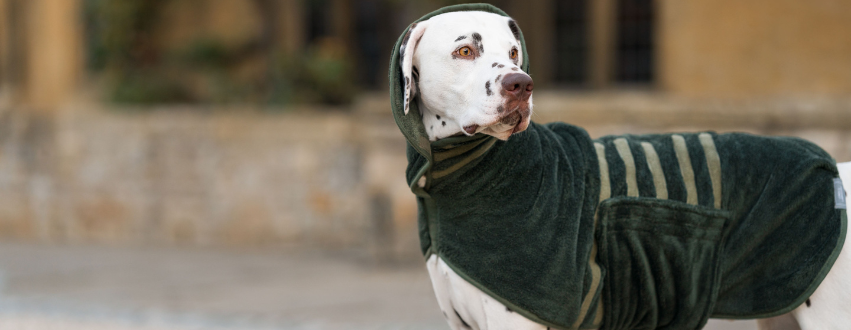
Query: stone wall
{"points": [[293, 177], [188, 176]]}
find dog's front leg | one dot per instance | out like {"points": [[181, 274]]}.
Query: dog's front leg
{"points": [[443, 290], [466, 307], [780, 322]]}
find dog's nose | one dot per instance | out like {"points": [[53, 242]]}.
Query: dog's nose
{"points": [[518, 84]]}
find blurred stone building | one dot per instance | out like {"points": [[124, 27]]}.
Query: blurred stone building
{"points": [[690, 48], [250, 122]]}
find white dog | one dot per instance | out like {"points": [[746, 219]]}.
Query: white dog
{"points": [[464, 71]]}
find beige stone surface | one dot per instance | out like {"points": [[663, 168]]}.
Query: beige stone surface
{"points": [[67, 287], [729, 48], [54, 52]]}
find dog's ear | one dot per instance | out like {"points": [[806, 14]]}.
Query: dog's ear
{"points": [[406, 56]]}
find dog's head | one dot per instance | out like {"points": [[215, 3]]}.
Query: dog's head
{"points": [[465, 68]]}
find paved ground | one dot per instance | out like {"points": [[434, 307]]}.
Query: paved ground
{"points": [[101, 288]]}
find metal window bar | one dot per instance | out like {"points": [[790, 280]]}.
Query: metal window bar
{"points": [[370, 41], [571, 46], [634, 53], [317, 20]]}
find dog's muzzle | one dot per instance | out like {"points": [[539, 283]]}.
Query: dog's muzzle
{"points": [[516, 89], [511, 119]]}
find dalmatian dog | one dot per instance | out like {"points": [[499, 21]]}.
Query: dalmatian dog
{"points": [[467, 79]]}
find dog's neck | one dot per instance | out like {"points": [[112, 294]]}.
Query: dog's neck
{"points": [[437, 124]]}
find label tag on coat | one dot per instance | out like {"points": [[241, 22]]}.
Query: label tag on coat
{"points": [[839, 194]]}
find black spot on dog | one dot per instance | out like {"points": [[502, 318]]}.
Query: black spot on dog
{"points": [[438, 117], [467, 326], [501, 66], [514, 29], [808, 302], [407, 82], [497, 79], [460, 38], [514, 69], [500, 109], [477, 40], [494, 64], [488, 88], [508, 309], [444, 123]]}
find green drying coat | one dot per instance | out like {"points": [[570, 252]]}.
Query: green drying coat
{"points": [[625, 232]]}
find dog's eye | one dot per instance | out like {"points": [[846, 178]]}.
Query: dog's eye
{"points": [[466, 51], [513, 53]]}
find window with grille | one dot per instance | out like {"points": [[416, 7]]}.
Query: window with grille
{"points": [[628, 41]]}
